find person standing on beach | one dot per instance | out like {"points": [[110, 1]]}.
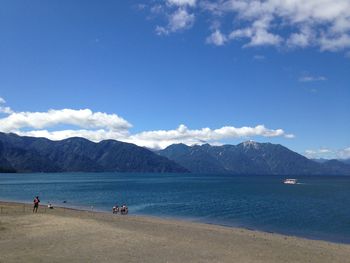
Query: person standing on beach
{"points": [[36, 204]]}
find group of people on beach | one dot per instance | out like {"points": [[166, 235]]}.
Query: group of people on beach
{"points": [[123, 209]]}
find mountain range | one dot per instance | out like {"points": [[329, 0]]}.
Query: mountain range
{"points": [[250, 158], [30, 154]]}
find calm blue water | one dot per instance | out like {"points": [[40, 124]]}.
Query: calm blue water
{"points": [[318, 207]]}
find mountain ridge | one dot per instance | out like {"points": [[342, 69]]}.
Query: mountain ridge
{"points": [[31, 154], [249, 158]]}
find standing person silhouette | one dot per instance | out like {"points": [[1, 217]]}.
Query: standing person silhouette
{"points": [[36, 202]]}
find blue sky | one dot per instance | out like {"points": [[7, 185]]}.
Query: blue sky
{"points": [[162, 72]]}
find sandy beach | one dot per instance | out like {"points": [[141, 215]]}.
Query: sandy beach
{"points": [[67, 235]]}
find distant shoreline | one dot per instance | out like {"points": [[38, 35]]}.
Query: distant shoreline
{"points": [[174, 173]]}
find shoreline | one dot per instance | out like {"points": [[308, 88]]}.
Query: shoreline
{"points": [[178, 219], [85, 235]]}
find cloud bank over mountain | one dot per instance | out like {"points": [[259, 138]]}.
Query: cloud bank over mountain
{"points": [[327, 153], [98, 126]]}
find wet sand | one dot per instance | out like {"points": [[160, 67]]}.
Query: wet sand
{"points": [[67, 235]]}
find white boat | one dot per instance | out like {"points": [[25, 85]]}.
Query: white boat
{"points": [[290, 181]]}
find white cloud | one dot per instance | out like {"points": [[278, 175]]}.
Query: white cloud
{"points": [[327, 153], [181, 19], [335, 43], [6, 110], [309, 78], [80, 118], [289, 136], [163, 138], [97, 126], [292, 23], [178, 20], [258, 34], [302, 39], [161, 30], [319, 153], [263, 38], [298, 40], [216, 38], [241, 33], [157, 9], [92, 135], [344, 153], [182, 2], [3, 109]]}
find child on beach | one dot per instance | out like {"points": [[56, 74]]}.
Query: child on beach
{"points": [[115, 209], [36, 202]]}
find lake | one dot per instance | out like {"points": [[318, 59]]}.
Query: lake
{"points": [[317, 207]]}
